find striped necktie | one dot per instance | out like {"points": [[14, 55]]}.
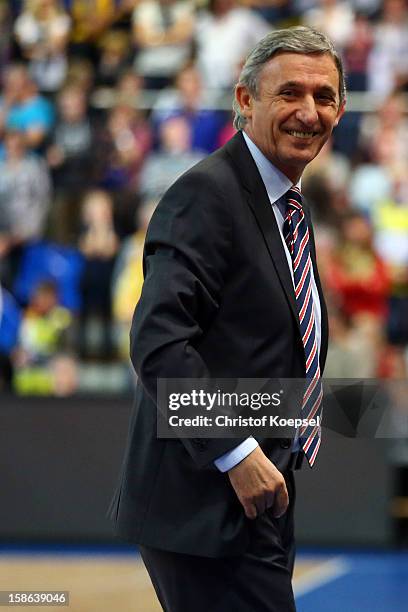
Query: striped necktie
{"points": [[296, 234]]}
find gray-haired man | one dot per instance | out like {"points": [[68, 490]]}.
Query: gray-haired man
{"points": [[224, 280]]}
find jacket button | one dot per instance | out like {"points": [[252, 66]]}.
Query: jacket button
{"points": [[286, 443], [200, 443]]}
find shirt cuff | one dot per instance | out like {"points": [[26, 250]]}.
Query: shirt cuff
{"points": [[231, 458]]}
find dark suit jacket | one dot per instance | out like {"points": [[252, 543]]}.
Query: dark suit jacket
{"points": [[217, 301]]}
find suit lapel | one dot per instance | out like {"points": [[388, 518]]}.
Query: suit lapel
{"points": [[259, 202]]}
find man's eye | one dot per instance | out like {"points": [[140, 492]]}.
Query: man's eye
{"points": [[325, 98], [288, 92]]}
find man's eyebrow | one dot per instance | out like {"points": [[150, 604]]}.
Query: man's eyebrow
{"points": [[328, 89], [290, 84], [298, 84]]}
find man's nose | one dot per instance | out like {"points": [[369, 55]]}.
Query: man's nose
{"points": [[307, 112]]}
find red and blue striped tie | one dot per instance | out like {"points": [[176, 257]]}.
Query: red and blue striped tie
{"points": [[296, 234]]}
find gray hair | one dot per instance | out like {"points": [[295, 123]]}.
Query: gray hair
{"points": [[300, 39]]}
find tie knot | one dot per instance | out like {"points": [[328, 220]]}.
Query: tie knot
{"points": [[294, 198]]}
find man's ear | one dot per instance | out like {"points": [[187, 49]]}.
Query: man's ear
{"points": [[340, 113], [244, 99]]}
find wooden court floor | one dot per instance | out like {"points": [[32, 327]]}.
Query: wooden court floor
{"points": [[97, 583]]}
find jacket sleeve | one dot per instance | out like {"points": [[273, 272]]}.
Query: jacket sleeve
{"points": [[186, 260]]}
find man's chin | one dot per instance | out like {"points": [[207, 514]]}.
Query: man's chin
{"points": [[298, 158], [302, 154]]}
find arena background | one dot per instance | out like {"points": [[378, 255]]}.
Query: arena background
{"points": [[103, 104]]}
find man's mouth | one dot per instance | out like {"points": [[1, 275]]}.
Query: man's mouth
{"points": [[299, 134]]}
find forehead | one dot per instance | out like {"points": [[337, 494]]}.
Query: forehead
{"points": [[14, 76], [14, 136], [316, 70]]}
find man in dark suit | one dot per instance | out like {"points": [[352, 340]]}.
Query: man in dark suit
{"points": [[214, 517]]}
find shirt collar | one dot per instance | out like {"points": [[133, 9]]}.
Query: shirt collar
{"points": [[276, 183]]}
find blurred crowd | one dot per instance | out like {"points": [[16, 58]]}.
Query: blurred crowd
{"points": [[104, 103]]}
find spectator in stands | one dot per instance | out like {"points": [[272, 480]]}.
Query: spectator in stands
{"points": [[224, 35], [5, 36], [127, 279], [114, 57], [42, 32], [388, 61], [70, 159], [355, 346], [370, 8], [356, 52], [23, 109], [81, 72], [352, 351], [370, 183], [98, 242], [91, 19], [43, 328], [383, 144], [333, 18], [390, 124], [356, 274], [359, 282], [190, 100], [44, 332], [274, 11], [129, 87], [65, 375], [10, 318], [123, 147], [325, 183], [71, 140], [391, 224], [174, 157], [24, 199], [163, 34]]}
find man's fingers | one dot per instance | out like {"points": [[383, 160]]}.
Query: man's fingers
{"points": [[259, 485], [281, 501], [250, 510], [269, 499], [258, 505], [277, 499]]}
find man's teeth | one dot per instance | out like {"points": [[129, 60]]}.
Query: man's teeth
{"points": [[301, 134]]}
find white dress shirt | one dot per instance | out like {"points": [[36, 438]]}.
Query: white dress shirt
{"points": [[276, 184]]}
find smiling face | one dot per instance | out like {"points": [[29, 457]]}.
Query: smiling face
{"points": [[295, 110]]}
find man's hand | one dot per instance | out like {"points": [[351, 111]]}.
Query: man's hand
{"points": [[259, 485]]}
